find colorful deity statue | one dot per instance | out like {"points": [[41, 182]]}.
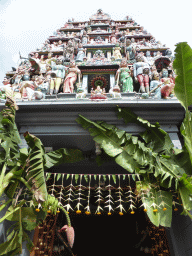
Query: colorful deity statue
{"points": [[168, 83], [155, 83], [42, 65], [123, 73], [71, 77], [57, 76], [81, 53], [84, 38], [142, 73], [68, 52], [130, 50], [98, 94], [117, 52]]}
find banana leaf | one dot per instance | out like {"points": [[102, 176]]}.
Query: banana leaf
{"points": [[159, 139], [127, 150], [183, 66], [35, 175]]}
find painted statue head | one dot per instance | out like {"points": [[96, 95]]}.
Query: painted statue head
{"points": [[123, 62], [139, 58], [164, 72]]}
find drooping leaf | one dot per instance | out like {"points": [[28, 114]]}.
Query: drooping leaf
{"points": [[62, 155], [35, 175], [161, 140], [124, 148], [183, 81], [186, 131]]}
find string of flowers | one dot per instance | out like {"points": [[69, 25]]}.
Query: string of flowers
{"points": [[88, 211], [120, 194], [110, 200], [80, 189], [130, 197], [69, 195], [60, 193], [100, 197]]}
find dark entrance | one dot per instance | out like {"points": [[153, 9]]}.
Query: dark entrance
{"points": [[109, 235]]}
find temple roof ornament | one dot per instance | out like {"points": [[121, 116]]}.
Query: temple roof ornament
{"points": [[100, 15]]}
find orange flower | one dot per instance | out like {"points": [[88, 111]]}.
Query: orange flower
{"points": [[164, 209], [155, 210], [37, 210], [132, 212], [48, 211], [175, 209], [145, 210], [78, 211], [87, 213], [98, 213], [120, 213], [58, 211], [109, 213]]}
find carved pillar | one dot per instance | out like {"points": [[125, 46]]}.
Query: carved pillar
{"points": [[85, 83], [112, 80], [109, 55], [88, 55]]}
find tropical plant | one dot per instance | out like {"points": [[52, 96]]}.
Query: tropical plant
{"points": [[22, 181], [166, 171]]}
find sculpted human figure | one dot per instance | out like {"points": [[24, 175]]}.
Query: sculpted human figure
{"points": [[69, 51], [71, 77], [130, 51], [42, 65], [169, 84], [154, 84], [142, 73], [81, 53], [117, 52], [124, 74], [57, 76]]}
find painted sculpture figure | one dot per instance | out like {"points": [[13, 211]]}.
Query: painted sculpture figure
{"points": [[81, 53], [117, 52], [154, 84], [169, 84], [142, 73], [124, 74], [71, 78], [58, 74], [130, 51]]}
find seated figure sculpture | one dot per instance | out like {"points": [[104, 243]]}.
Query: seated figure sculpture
{"points": [[168, 83], [98, 94], [124, 74], [71, 77]]}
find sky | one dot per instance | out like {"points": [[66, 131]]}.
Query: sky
{"points": [[25, 25]]}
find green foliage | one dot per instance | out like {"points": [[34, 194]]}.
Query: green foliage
{"points": [[26, 167], [183, 81]]}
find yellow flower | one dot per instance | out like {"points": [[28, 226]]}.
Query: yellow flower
{"points": [[164, 209], [78, 211], [48, 211], [37, 210], [58, 211], [98, 213], [155, 210], [132, 212], [87, 213], [145, 210], [120, 213], [109, 213]]}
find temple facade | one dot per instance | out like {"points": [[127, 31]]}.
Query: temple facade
{"points": [[88, 68]]}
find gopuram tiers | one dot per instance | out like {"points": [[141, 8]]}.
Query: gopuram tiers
{"points": [[99, 59]]}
